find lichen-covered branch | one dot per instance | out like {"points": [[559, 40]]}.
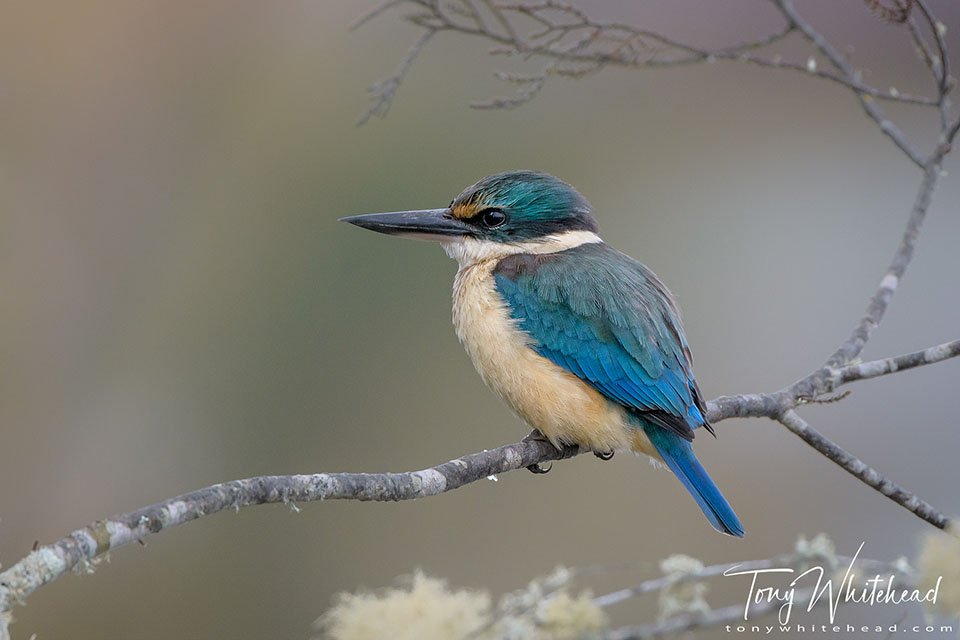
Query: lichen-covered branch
{"points": [[818, 552], [557, 605], [84, 545], [49, 562]]}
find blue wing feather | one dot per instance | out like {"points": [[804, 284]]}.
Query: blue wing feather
{"points": [[608, 320]]}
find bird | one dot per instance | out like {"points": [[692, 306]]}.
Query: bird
{"points": [[581, 341]]}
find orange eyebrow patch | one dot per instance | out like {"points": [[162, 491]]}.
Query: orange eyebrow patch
{"points": [[464, 210]]}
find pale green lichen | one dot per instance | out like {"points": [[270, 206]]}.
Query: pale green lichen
{"points": [[425, 608], [939, 562], [685, 595], [422, 609], [5, 620], [523, 601], [820, 549], [902, 565], [545, 610], [564, 617]]}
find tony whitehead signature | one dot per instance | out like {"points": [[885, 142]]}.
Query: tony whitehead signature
{"points": [[875, 590]]}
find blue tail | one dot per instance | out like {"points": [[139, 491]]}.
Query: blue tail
{"points": [[678, 454]]}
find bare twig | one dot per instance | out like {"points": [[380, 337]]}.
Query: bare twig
{"points": [[871, 477], [888, 284], [940, 64], [384, 90], [567, 36], [840, 62], [876, 368]]}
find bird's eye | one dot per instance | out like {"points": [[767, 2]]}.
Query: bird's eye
{"points": [[493, 218]]}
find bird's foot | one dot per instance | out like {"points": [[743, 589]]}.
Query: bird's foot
{"points": [[604, 455], [537, 436]]}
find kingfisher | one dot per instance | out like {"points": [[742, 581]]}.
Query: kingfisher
{"points": [[581, 341]]}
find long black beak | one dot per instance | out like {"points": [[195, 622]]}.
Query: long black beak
{"points": [[427, 224]]}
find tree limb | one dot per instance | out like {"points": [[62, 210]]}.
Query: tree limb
{"points": [[84, 545], [49, 562]]}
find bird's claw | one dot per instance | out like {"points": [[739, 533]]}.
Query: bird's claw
{"points": [[535, 436], [604, 455]]}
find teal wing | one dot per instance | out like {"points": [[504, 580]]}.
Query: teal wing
{"points": [[607, 319]]}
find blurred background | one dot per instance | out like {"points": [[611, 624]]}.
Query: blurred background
{"points": [[180, 306]]}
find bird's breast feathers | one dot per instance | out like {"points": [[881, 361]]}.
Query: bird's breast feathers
{"points": [[562, 406]]}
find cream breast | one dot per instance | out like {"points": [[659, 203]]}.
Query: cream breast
{"points": [[563, 407]]}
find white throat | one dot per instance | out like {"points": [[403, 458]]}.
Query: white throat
{"points": [[470, 251]]}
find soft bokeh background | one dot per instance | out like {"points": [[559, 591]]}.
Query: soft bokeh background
{"points": [[180, 307]]}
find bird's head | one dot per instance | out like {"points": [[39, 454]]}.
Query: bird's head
{"points": [[513, 207]]}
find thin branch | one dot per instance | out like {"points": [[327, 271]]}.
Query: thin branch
{"points": [[779, 63], [941, 63], [376, 11], [860, 335], [511, 33], [837, 60], [738, 53], [951, 134], [883, 367], [924, 50], [820, 383], [384, 90], [871, 477]]}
